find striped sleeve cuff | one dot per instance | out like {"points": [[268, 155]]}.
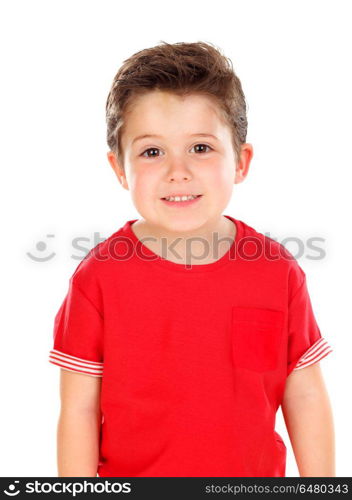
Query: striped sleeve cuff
{"points": [[314, 354], [73, 364]]}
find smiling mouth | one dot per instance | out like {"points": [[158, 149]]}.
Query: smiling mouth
{"points": [[180, 203], [180, 197]]}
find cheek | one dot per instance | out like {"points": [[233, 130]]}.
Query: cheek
{"points": [[222, 180], [144, 184]]}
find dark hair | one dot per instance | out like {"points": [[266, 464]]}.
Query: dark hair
{"points": [[183, 69]]}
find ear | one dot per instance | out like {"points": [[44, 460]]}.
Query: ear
{"points": [[118, 169], [242, 166]]}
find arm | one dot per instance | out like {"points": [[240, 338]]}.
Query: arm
{"points": [[308, 417], [79, 425]]}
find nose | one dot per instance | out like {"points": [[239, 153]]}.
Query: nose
{"points": [[176, 178], [178, 171]]}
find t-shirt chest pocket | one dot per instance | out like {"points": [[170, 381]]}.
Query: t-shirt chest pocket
{"points": [[256, 337]]}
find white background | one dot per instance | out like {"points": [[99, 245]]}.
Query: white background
{"points": [[57, 64]]}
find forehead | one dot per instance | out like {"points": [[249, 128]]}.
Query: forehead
{"points": [[161, 112]]}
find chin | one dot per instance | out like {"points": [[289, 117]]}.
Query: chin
{"points": [[184, 223]]}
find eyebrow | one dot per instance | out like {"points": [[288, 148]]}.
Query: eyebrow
{"points": [[144, 136]]}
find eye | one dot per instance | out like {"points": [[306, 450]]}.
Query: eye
{"points": [[204, 145], [157, 149], [150, 149]]}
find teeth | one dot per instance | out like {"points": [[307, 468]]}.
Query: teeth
{"points": [[180, 198]]}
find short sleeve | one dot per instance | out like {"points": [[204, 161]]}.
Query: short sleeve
{"points": [[305, 342], [78, 334]]}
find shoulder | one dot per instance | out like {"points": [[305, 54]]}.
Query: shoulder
{"points": [[272, 254], [92, 268]]}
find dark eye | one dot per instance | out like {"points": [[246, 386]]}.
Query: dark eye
{"points": [[203, 146], [150, 149]]}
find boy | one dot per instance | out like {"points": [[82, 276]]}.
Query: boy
{"points": [[176, 357]]}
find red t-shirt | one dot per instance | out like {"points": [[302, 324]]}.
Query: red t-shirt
{"points": [[193, 359]]}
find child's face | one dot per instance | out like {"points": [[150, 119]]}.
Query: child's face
{"points": [[180, 160]]}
